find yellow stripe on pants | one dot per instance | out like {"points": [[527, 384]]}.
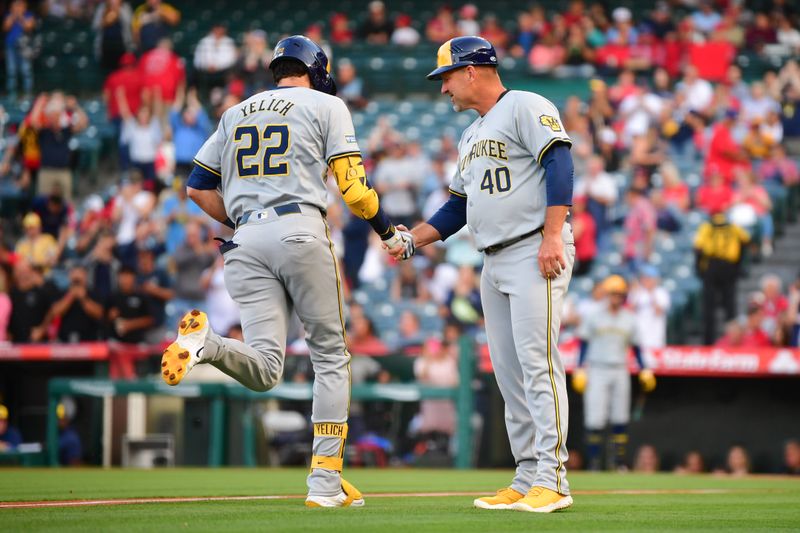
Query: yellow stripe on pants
{"points": [[560, 439]]}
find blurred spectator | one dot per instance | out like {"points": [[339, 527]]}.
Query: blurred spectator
{"points": [[437, 367], [751, 209], [464, 301], [125, 82], [790, 120], [442, 26], [341, 34], [61, 118], [350, 86], [404, 33], [738, 87], [155, 283], [692, 464], [724, 155], [622, 31], [31, 299], [70, 449], [646, 461], [409, 329], [10, 437], [774, 304], [65, 8], [361, 334], [398, 182], [79, 310], [408, 285], [600, 191], [650, 303], [714, 196], [112, 23], [223, 313], [667, 217], [18, 25], [254, 62], [788, 37], [376, 29], [793, 313], [176, 211], [191, 258], [54, 214], [718, 249], [758, 104], [101, 266], [791, 458], [585, 233], [523, 40], [467, 23], [190, 127], [738, 461], [131, 205], [705, 18], [143, 133], [640, 228], [36, 247], [695, 93], [130, 311], [659, 23], [546, 54], [674, 191], [760, 33], [151, 22], [214, 57], [162, 70], [753, 334], [492, 31], [5, 304]]}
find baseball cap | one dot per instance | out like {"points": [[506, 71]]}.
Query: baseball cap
{"points": [[31, 220], [3, 412]]}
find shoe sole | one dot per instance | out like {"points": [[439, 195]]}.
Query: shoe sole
{"points": [[326, 502], [563, 503], [176, 361], [496, 507]]}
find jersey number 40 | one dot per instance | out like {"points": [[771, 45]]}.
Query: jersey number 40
{"points": [[276, 143], [501, 180]]}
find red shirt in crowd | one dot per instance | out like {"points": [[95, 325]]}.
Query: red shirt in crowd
{"points": [[676, 195], [162, 68], [719, 159], [712, 59], [586, 236], [774, 307], [129, 79], [714, 198]]}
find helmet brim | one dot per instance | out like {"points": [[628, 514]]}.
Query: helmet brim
{"points": [[437, 74]]}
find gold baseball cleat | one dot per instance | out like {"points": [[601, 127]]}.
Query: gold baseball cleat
{"points": [[542, 500], [181, 356], [502, 500]]}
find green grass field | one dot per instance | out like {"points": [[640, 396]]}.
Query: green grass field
{"points": [[666, 502]]}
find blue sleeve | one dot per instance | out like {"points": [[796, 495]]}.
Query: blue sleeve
{"points": [[558, 171], [582, 353], [12, 437], [202, 179], [637, 353], [451, 217], [174, 119]]}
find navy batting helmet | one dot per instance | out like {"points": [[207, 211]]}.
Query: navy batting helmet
{"points": [[301, 48], [463, 51]]}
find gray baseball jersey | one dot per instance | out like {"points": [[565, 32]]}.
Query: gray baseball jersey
{"points": [[609, 336], [498, 167], [274, 148]]}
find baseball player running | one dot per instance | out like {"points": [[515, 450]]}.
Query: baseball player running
{"points": [[513, 188], [605, 339], [265, 167]]}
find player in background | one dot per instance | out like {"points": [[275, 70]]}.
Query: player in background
{"points": [[265, 167], [602, 374], [513, 188]]}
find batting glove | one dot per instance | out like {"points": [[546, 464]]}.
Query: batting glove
{"points": [[647, 380], [404, 239], [579, 380]]}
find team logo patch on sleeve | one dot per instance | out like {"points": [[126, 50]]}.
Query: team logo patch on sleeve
{"points": [[550, 122], [350, 139]]}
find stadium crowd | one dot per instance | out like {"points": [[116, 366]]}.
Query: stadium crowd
{"points": [[670, 128]]}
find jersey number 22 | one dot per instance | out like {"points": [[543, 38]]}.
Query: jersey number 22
{"points": [[276, 143]]}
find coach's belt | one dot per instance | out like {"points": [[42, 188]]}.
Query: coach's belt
{"points": [[493, 249], [280, 210]]}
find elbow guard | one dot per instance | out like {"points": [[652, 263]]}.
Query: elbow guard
{"points": [[356, 191]]}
